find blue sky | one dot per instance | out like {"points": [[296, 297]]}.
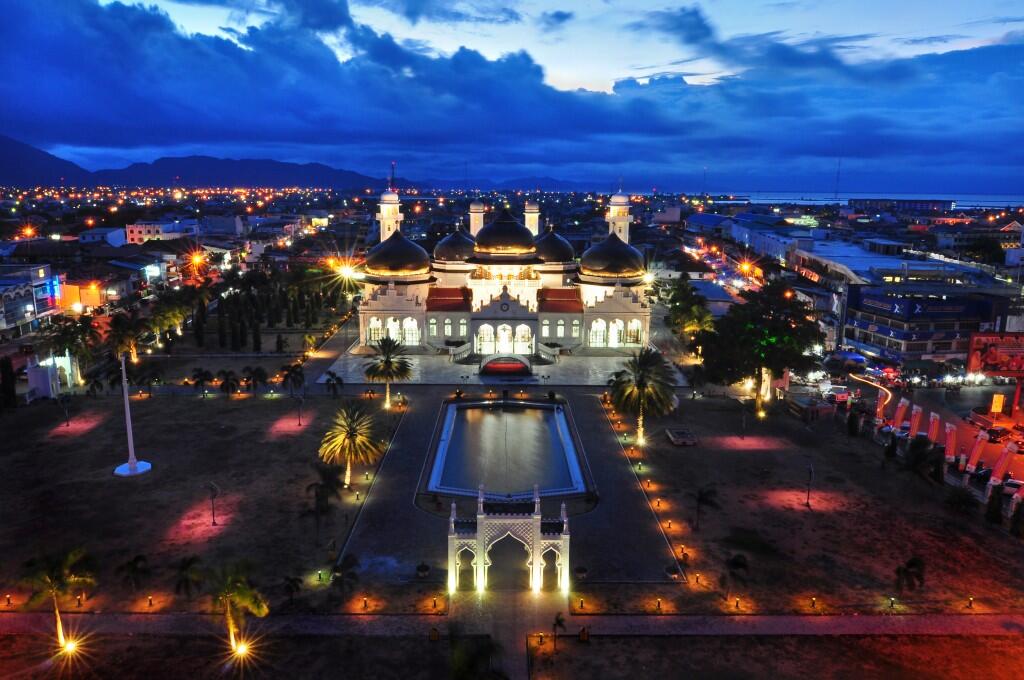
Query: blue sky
{"points": [[914, 96]]}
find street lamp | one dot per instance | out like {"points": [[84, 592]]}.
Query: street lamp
{"points": [[134, 466]]}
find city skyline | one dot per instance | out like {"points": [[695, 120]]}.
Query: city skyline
{"points": [[765, 99]]}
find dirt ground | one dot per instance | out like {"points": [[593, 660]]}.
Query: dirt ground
{"points": [[154, 658], [779, 657], [60, 493], [864, 522]]}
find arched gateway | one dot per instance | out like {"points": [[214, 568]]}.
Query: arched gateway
{"points": [[496, 520]]}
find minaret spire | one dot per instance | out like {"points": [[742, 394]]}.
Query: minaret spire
{"points": [[391, 180]]}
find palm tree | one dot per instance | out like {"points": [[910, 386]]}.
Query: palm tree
{"points": [[124, 332], [556, 625], [351, 439], [188, 577], [705, 496], [76, 338], [910, 574], [294, 377], [334, 383], [697, 319], [644, 386], [54, 577], [232, 590], [254, 376], [228, 382], [200, 376], [291, 585], [344, 575], [389, 365], [135, 572], [94, 384]]}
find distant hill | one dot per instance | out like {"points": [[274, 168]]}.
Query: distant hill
{"points": [[25, 165], [209, 171]]}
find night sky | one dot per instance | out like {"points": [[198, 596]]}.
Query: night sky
{"points": [[914, 96]]}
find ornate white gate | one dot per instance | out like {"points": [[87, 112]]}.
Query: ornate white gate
{"points": [[496, 520]]}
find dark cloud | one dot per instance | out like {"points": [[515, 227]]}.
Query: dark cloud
{"points": [[689, 27], [122, 82], [318, 15], [551, 21]]}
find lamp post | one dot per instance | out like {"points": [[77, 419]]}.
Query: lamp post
{"points": [[134, 466]]}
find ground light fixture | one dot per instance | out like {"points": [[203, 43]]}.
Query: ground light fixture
{"points": [[69, 647]]}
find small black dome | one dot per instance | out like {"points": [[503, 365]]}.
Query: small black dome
{"points": [[612, 257], [554, 248], [397, 255], [456, 246], [504, 236]]}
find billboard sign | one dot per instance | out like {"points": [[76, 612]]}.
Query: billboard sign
{"points": [[996, 354]]}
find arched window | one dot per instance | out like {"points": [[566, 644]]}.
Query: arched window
{"points": [[432, 325], [545, 329], [575, 328], [410, 331], [375, 331], [634, 332], [560, 329], [447, 328], [598, 333], [463, 328]]}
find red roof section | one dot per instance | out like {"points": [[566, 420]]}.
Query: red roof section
{"points": [[559, 300], [449, 300]]}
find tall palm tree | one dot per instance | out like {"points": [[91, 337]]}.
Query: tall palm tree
{"points": [[201, 376], [705, 496], [294, 377], [737, 570], [291, 585], [351, 439], [149, 376], [254, 376], [76, 338], [644, 386], [124, 332], [389, 365], [327, 486], [231, 589], [188, 577], [54, 577], [135, 572], [228, 382]]}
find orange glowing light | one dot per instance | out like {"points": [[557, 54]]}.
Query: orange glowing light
{"points": [[29, 232]]}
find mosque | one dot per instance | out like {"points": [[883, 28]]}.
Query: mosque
{"points": [[504, 287]]}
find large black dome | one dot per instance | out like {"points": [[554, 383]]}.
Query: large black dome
{"points": [[456, 246], [554, 248], [612, 257], [397, 256], [504, 236]]}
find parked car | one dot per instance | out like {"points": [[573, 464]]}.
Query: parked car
{"points": [[681, 437], [998, 433]]}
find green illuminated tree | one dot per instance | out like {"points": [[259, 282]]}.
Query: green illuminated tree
{"points": [[56, 576], [771, 332], [350, 439]]}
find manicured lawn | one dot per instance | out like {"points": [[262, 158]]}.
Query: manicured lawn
{"points": [[60, 493], [863, 523], [149, 658], [779, 657]]}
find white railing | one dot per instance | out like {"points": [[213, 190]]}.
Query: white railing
{"points": [[549, 353], [460, 352]]}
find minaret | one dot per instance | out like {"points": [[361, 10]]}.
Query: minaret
{"points": [[618, 216], [389, 213], [476, 218], [532, 217]]}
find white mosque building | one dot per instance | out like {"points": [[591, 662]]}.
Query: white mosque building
{"points": [[504, 288]]}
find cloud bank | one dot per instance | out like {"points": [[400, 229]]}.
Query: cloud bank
{"points": [[102, 83]]}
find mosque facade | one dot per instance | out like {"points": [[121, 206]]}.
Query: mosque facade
{"points": [[504, 287]]}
